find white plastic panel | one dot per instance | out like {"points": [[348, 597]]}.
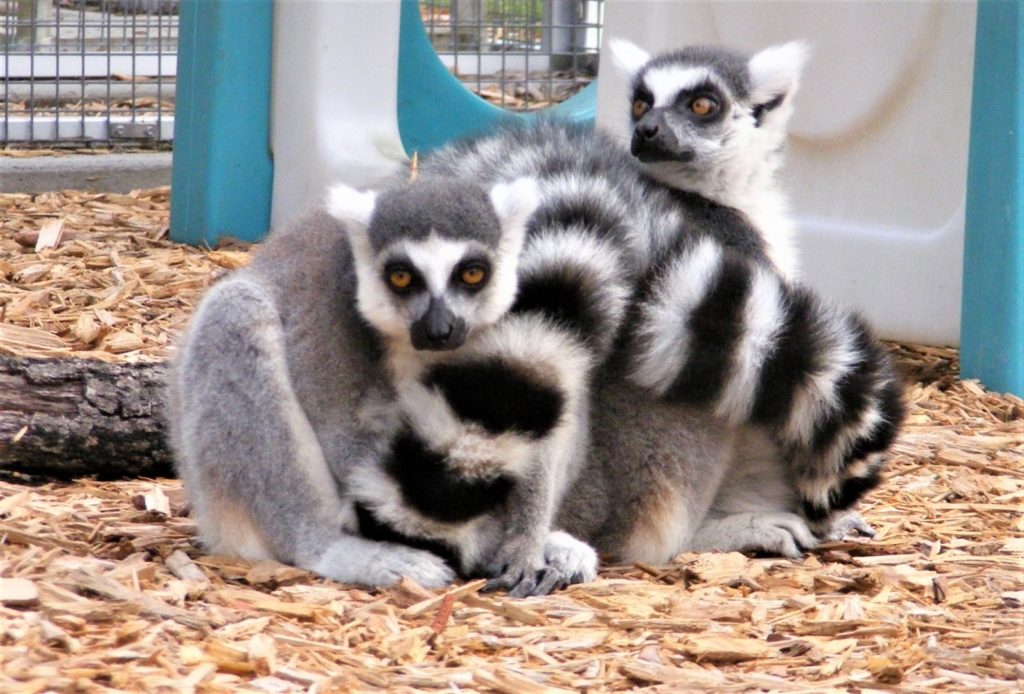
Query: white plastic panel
{"points": [[334, 99], [878, 153]]}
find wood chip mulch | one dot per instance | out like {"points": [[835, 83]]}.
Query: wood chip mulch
{"points": [[102, 588], [112, 287]]}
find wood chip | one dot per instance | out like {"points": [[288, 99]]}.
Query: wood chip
{"points": [[433, 603], [229, 259], [50, 235], [184, 568], [156, 500], [18, 592], [723, 648]]}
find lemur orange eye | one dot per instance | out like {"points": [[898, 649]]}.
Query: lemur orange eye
{"points": [[473, 276], [400, 279], [640, 107], [703, 106]]}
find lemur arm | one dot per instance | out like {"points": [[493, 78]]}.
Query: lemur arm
{"points": [[256, 474]]}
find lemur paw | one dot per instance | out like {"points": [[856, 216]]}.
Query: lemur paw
{"points": [[379, 564], [575, 559], [848, 525], [518, 567], [566, 561], [784, 534], [776, 532]]}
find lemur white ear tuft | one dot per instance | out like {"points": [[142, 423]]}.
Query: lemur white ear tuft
{"points": [[515, 201], [350, 205], [628, 57], [775, 71]]}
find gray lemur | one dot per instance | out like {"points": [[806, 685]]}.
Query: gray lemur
{"points": [[494, 407], [710, 125], [299, 396]]}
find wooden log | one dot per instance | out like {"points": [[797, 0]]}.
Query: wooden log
{"points": [[72, 417]]}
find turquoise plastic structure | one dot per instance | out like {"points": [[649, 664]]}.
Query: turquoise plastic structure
{"points": [[222, 171], [434, 108], [992, 323]]}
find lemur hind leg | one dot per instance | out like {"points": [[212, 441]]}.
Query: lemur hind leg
{"points": [[252, 464], [756, 507], [651, 474]]}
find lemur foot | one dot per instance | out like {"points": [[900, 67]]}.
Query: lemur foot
{"points": [[566, 561], [575, 559], [850, 524], [378, 564], [519, 568], [777, 532]]}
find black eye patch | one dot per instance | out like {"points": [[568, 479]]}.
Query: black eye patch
{"points": [[472, 274], [706, 89], [642, 93], [401, 277]]}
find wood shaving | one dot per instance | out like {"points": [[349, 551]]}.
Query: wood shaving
{"points": [[102, 585], [112, 288]]}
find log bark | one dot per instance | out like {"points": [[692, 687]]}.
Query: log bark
{"points": [[72, 417]]}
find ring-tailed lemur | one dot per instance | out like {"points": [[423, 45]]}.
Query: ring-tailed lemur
{"points": [[494, 408], [281, 401], [710, 125]]}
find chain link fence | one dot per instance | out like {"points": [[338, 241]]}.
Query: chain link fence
{"points": [[88, 72], [518, 54], [103, 72]]}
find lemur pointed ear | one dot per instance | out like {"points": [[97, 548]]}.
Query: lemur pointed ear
{"points": [[628, 57], [354, 207], [775, 71], [515, 201]]}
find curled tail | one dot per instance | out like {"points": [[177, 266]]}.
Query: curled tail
{"points": [[573, 292], [716, 330], [501, 424]]}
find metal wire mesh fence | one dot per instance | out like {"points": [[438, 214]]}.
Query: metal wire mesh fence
{"points": [[84, 72], [102, 72], [519, 54]]}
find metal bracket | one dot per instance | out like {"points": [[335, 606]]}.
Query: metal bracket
{"points": [[133, 131]]}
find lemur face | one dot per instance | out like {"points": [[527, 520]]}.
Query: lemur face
{"points": [[435, 261], [682, 114], [438, 288], [704, 113]]}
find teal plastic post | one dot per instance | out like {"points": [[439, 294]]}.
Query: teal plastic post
{"points": [[992, 323], [222, 172], [433, 106]]}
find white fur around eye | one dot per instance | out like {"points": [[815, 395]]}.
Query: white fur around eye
{"points": [[435, 259], [776, 70], [666, 82]]}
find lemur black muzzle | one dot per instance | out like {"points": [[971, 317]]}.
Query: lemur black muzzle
{"points": [[653, 141], [438, 328]]}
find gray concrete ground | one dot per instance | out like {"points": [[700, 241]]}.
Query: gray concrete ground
{"points": [[108, 173]]}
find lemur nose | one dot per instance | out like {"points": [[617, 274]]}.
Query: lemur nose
{"points": [[649, 130], [439, 332]]}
